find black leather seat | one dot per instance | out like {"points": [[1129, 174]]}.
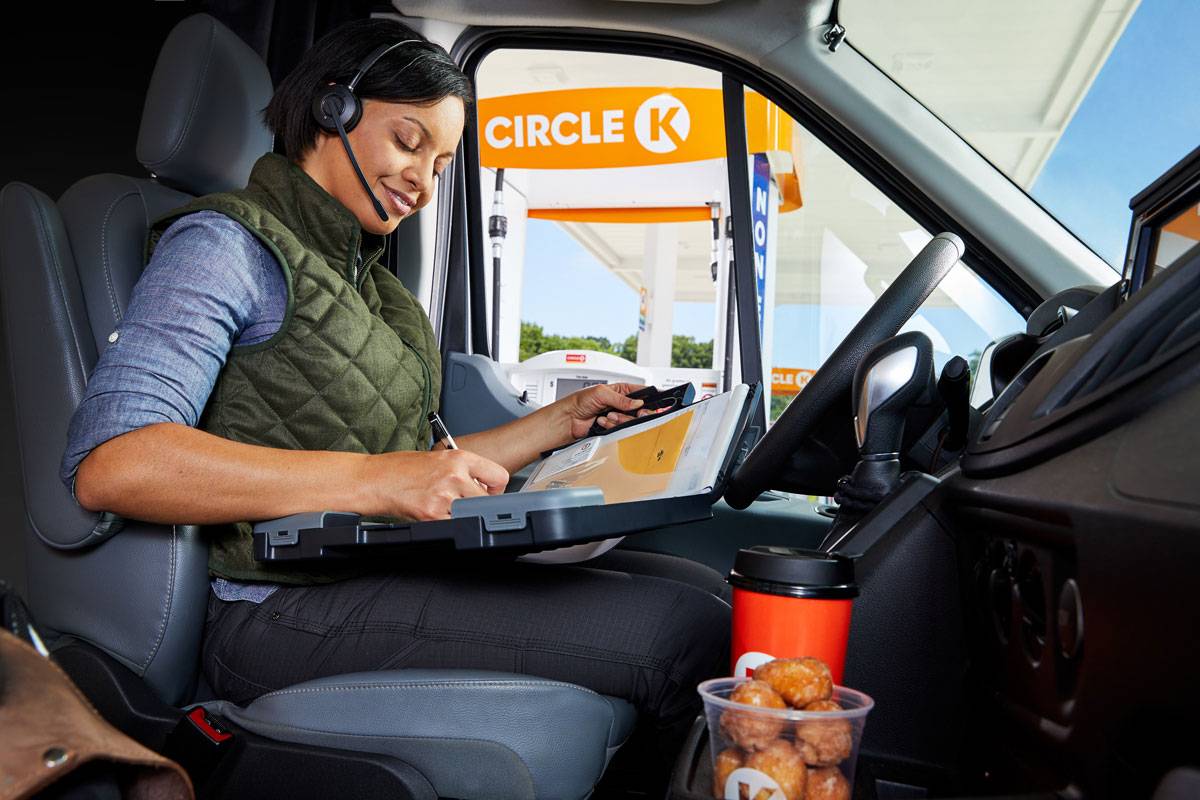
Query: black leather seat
{"points": [[137, 592]]}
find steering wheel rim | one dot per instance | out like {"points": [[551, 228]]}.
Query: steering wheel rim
{"points": [[832, 379]]}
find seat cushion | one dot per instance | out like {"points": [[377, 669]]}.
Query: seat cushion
{"points": [[474, 734]]}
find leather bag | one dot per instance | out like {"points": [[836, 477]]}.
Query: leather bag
{"points": [[48, 730]]}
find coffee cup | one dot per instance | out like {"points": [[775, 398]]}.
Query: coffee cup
{"points": [[790, 603]]}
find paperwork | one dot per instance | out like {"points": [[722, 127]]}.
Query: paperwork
{"points": [[677, 454]]}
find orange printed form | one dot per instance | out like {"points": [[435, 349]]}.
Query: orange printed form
{"points": [[676, 454]]}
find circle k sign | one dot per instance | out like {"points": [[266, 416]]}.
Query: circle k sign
{"points": [[662, 123], [596, 128]]}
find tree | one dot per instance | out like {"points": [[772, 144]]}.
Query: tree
{"points": [[685, 350], [535, 341], [628, 348], [778, 404]]}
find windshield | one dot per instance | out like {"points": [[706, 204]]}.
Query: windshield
{"points": [[1080, 103]]}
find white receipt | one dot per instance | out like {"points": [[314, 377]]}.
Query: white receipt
{"points": [[568, 457]]}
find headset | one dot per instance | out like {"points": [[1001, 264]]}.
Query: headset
{"points": [[337, 110]]}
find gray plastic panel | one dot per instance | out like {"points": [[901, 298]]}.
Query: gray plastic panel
{"points": [[475, 396], [508, 512]]}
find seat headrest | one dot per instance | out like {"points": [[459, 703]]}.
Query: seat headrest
{"points": [[202, 127]]}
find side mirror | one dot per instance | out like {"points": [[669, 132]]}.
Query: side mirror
{"points": [[892, 376]]}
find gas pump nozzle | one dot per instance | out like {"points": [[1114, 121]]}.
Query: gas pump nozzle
{"points": [[497, 231], [715, 211]]}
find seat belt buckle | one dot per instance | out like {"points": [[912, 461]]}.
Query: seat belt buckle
{"points": [[198, 742]]}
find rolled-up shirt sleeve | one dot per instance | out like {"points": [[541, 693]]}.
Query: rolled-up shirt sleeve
{"points": [[209, 286]]}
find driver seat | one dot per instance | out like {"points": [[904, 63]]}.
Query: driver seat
{"points": [[123, 602]]}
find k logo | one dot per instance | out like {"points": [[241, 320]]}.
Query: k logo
{"points": [[662, 123], [748, 662], [755, 783]]}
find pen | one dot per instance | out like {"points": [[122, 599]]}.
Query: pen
{"points": [[440, 434]]}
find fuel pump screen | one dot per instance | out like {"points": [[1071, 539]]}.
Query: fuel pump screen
{"points": [[568, 385]]}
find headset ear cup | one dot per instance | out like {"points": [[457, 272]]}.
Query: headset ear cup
{"points": [[324, 106], [336, 102]]}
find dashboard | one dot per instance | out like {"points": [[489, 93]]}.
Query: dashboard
{"points": [[1028, 616], [1077, 518]]}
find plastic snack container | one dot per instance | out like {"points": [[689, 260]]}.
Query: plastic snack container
{"points": [[782, 754]]}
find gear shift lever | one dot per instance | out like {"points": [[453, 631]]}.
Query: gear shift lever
{"points": [[892, 376]]}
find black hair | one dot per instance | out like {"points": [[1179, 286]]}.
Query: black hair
{"points": [[419, 73]]}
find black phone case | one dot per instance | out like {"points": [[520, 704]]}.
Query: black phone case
{"points": [[653, 399]]}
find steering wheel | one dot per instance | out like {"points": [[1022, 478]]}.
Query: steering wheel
{"points": [[832, 380]]}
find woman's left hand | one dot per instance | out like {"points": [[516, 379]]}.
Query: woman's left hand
{"points": [[585, 407]]}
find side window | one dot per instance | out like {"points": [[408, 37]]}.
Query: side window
{"points": [[830, 246], [612, 179]]}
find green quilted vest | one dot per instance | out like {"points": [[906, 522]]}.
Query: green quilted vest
{"points": [[353, 368]]}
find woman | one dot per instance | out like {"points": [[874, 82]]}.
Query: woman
{"points": [[268, 364]]}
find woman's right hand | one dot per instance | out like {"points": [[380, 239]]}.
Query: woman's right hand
{"points": [[422, 485]]}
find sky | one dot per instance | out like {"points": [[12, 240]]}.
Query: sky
{"points": [[1141, 115], [607, 306]]}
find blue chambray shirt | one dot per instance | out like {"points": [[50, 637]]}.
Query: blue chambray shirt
{"points": [[210, 285]]}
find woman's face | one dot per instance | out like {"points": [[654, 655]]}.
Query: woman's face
{"points": [[401, 148]]}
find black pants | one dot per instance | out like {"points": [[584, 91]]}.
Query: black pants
{"points": [[643, 627]]}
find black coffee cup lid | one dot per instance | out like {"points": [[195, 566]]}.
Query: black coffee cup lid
{"points": [[794, 572]]}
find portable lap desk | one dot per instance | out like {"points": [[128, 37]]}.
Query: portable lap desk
{"points": [[518, 522], [555, 518]]}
